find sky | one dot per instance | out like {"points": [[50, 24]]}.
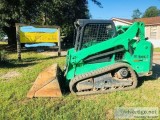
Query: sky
{"points": [[119, 8]]}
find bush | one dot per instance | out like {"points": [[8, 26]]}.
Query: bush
{"points": [[3, 55]]}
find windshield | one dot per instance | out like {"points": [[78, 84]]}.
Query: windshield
{"points": [[95, 33]]}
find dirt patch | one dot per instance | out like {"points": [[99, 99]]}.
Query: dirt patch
{"points": [[52, 53], [10, 75]]}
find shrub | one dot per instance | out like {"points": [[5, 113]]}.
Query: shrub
{"points": [[3, 55]]}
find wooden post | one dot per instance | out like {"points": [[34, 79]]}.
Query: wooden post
{"points": [[59, 42], [18, 42]]}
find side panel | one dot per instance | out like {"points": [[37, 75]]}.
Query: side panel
{"points": [[141, 60]]}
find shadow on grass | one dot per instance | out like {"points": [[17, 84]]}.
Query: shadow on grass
{"points": [[14, 65], [34, 59], [154, 76], [2, 46], [11, 48]]}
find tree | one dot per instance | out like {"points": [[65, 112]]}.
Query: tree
{"points": [[64, 14], [17, 11], [136, 14], [97, 3], [42, 12], [151, 12]]}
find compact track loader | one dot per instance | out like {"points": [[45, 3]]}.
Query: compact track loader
{"points": [[104, 59]]}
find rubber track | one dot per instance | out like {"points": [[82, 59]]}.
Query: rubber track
{"points": [[100, 71]]}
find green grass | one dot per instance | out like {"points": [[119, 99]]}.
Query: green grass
{"points": [[3, 43], [156, 49], [15, 105]]}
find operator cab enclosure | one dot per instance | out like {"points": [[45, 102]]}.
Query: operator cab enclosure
{"points": [[90, 32]]}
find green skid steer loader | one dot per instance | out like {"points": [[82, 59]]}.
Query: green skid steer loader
{"points": [[104, 59]]}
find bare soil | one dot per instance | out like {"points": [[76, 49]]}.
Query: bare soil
{"points": [[54, 53], [10, 75]]}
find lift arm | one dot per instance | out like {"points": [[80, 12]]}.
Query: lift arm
{"points": [[135, 30]]}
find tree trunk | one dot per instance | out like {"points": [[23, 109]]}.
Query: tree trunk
{"points": [[11, 33]]}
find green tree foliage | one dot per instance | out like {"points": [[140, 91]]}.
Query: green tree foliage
{"points": [[42, 12], [136, 14], [17, 11], [97, 3], [152, 12]]}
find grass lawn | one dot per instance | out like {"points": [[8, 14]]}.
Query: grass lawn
{"points": [[16, 78], [3, 43], [156, 49]]}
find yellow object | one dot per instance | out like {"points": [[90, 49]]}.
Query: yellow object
{"points": [[37, 37]]}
